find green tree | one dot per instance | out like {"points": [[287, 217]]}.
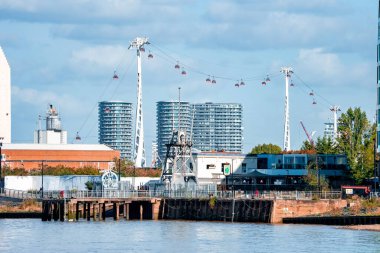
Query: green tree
{"points": [[266, 148], [312, 180], [325, 145], [356, 140], [306, 146]]}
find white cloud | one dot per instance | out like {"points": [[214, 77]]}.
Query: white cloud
{"points": [[92, 59], [40, 99], [327, 65]]}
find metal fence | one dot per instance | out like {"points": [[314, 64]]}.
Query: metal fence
{"points": [[113, 194]]}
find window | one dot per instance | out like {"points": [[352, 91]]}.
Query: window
{"points": [[210, 166], [244, 167]]}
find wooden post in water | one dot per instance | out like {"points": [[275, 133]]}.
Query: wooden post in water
{"points": [[115, 211], [62, 211], [124, 210], [44, 211], [55, 211], [88, 209], [127, 211], [77, 211], [141, 211], [94, 213], [104, 211], [84, 208], [49, 210]]}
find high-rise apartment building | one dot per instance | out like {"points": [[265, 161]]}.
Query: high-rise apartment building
{"points": [[5, 99], [218, 126], [215, 126], [171, 115], [115, 126]]}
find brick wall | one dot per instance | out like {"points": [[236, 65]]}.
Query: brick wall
{"points": [[31, 159], [298, 208]]}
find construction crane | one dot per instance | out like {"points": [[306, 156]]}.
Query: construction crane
{"points": [[309, 136]]}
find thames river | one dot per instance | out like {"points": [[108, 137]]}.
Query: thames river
{"points": [[33, 235]]}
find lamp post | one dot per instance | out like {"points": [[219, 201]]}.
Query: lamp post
{"points": [[232, 175], [374, 162], [318, 172], [134, 175], [118, 165]]}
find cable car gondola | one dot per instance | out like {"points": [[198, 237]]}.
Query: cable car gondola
{"points": [[177, 66], [150, 55], [77, 137], [115, 76]]}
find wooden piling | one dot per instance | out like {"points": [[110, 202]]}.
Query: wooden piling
{"points": [[88, 210], [104, 211], [94, 213], [127, 211], [62, 211], [77, 211]]}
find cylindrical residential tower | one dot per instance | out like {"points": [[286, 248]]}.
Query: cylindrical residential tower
{"points": [[115, 126]]}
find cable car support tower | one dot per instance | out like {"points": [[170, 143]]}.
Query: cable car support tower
{"points": [[139, 150], [288, 72]]}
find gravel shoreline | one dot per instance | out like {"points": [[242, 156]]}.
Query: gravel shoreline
{"points": [[375, 227]]}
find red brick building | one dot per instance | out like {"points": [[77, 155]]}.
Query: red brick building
{"points": [[30, 156]]}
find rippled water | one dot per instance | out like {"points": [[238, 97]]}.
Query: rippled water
{"points": [[31, 235]]}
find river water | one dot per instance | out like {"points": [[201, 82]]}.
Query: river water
{"points": [[33, 235]]}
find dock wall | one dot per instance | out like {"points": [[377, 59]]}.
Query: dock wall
{"points": [[206, 209], [299, 208], [237, 210]]}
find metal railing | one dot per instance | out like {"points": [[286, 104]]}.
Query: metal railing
{"points": [[114, 194], [18, 194], [373, 195]]}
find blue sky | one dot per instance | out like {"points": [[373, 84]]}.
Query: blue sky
{"points": [[64, 52]]}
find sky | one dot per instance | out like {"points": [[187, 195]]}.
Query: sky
{"points": [[64, 52]]}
